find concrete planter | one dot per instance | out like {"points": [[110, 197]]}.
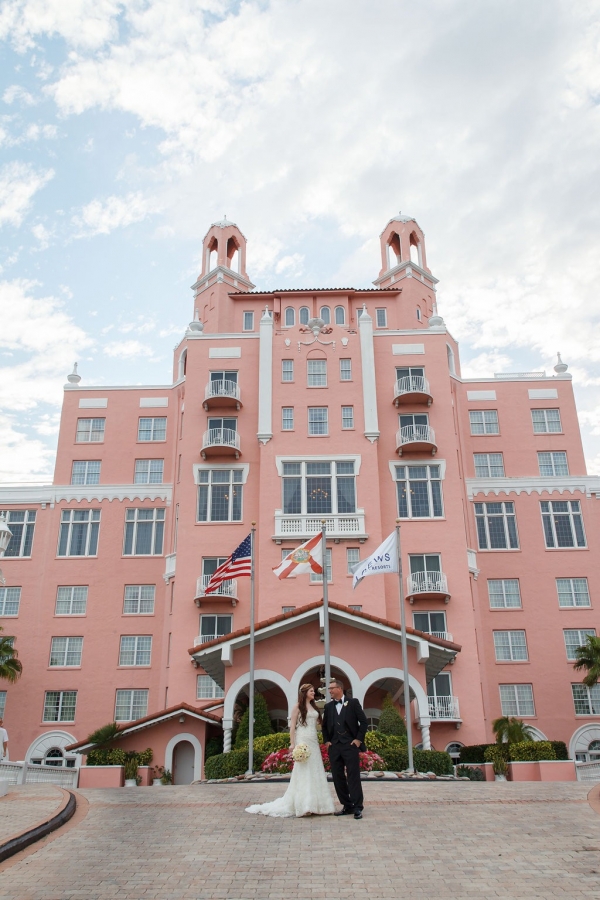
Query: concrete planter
{"points": [[543, 770], [131, 782], [101, 776]]}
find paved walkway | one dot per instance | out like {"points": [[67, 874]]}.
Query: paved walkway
{"points": [[464, 841], [25, 806]]}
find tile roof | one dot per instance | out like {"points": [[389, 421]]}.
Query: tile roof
{"points": [[336, 290]]}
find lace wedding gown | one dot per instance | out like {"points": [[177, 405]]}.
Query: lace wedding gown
{"points": [[308, 791]]}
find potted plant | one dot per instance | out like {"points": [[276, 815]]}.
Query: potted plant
{"points": [[131, 769], [160, 775], [166, 777], [496, 754]]}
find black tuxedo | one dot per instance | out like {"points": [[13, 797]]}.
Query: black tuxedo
{"points": [[340, 730]]}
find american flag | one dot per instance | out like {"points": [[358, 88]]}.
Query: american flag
{"points": [[239, 563]]}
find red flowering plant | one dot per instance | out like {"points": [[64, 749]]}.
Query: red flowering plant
{"points": [[369, 761], [279, 762]]}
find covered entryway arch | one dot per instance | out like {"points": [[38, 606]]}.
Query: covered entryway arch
{"points": [[309, 671], [273, 686], [379, 682]]}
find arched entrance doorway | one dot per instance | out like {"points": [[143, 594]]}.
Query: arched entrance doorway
{"points": [[184, 757]]}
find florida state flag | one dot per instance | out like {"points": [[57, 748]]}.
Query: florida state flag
{"points": [[306, 558]]}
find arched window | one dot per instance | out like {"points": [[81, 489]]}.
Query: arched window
{"points": [[393, 252], [183, 364], [325, 314], [451, 365], [290, 316], [415, 250], [233, 255], [453, 750], [594, 751], [304, 315], [419, 313], [340, 315]]}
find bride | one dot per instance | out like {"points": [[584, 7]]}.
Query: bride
{"points": [[308, 791]]}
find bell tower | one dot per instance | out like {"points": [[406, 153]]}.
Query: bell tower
{"points": [[223, 259], [404, 268]]}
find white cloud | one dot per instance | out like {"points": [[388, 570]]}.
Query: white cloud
{"points": [[115, 212], [82, 23], [42, 234], [21, 457], [16, 93], [128, 350], [19, 182]]}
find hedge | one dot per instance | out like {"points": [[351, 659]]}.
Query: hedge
{"points": [[474, 753], [473, 773], [268, 743], [228, 765], [111, 756], [560, 748], [528, 751]]}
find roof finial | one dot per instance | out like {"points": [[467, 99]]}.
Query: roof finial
{"points": [[196, 325], [560, 368], [74, 378]]}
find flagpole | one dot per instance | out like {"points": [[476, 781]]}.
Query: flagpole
{"points": [[325, 611], [404, 651], [251, 684]]}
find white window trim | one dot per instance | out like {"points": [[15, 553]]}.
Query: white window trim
{"points": [[244, 468], [408, 461], [509, 632], [309, 458]]}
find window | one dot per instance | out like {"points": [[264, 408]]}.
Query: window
{"points": [[414, 427], [131, 705], [319, 488], [139, 599], [484, 421], [317, 372], [510, 645], [2, 703], [425, 571], [10, 599], [290, 316], [304, 315], [496, 526], [440, 699], [489, 465], [85, 471], [517, 700], [433, 623], [287, 609], [553, 464], [135, 650], [418, 313], [419, 491], [287, 418], [563, 523], [144, 530], [66, 651], [586, 700], [453, 751], [148, 471], [219, 378], [546, 421], [352, 559], [315, 577], [410, 378], [213, 627], [248, 320], [381, 318], [79, 532], [325, 314], [220, 495], [347, 417], [345, 370], [22, 525], [208, 689], [152, 429], [574, 638], [59, 706], [504, 593], [318, 420], [222, 429], [573, 592], [287, 369], [340, 315], [90, 431], [71, 600]]}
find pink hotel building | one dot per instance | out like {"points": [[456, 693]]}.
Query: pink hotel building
{"points": [[286, 408]]}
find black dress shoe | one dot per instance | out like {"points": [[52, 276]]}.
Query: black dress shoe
{"points": [[344, 812], [358, 814]]}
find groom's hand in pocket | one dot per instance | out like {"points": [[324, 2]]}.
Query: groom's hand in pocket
{"points": [[356, 743], [327, 745]]}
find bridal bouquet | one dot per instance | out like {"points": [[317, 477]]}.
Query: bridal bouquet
{"points": [[300, 753]]}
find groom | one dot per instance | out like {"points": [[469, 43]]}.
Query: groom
{"points": [[344, 729]]}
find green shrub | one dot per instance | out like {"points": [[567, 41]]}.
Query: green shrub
{"points": [[390, 721], [560, 748], [433, 761], [103, 735], [474, 753], [497, 754], [379, 743], [112, 756], [214, 767], [145, 757], [527, 751], [473, 773], [262, 722], [268, 743], [213, 746]]}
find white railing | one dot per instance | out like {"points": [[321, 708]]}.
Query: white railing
{"points": [[21, 773], [351, 525], [413, 434], [12, 772], [519, 374], [205, 638], [222, 388], [588, 771], [170, 561], [427, 583], [443, 635], [225, 437], [411, 384], [443, 707], [225, 589]]}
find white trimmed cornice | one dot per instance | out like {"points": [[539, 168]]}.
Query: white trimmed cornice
{"points": [[55, 493], [569, 484]]}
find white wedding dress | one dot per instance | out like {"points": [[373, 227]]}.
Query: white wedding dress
{"points": [[308, 791]]}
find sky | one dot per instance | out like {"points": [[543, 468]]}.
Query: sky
{"points": [[128, 126]]}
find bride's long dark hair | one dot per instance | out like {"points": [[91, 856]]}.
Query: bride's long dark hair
{"points": [[303, 704]]}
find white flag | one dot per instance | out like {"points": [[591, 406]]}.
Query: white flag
{"points": [[384, 559]]}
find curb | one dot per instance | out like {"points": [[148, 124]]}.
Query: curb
{"points": [[21, 841]]}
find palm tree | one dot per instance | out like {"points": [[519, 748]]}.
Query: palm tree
{"points": [[10, 666], [588, 657], [510, 730]]}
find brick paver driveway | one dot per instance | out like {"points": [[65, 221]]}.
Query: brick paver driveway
{"points": [[439, 841]]}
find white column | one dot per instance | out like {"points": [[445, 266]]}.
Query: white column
{"points": [[365, 330], [265, 378], [227, 732], [425, 734]]}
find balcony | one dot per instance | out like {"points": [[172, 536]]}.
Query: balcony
{"points": [[344, 527], [412, 389], [220, 442], [170, 563], [416, 439], [443, 635], [444, 708], [427, 586], [222, 393], [227, 590], [205, 638]]}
